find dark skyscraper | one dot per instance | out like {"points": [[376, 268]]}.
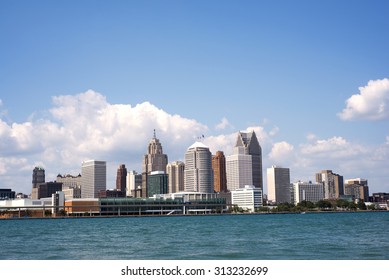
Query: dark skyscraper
{"points": [[249, 142], [38, 176], [121, 178], [219, 172]]}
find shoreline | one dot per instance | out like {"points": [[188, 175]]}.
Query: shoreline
{"points": [[198, 215]]}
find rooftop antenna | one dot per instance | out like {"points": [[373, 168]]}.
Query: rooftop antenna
{"points": [[154, 134]]}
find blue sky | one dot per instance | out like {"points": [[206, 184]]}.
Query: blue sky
{"points": [[310, 77]]}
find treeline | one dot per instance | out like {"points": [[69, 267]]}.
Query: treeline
{"points": [[321, 205], [308, 206]]}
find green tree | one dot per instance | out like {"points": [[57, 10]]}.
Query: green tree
{"points": [[361, 205], [371, 207], [324, 204]]}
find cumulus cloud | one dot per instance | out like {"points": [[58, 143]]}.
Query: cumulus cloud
{"points": [[86, 126], [371, 103], [280, 152], [224, 123], [335, 147]]}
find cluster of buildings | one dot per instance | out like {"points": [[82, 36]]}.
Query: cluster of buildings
{"points": [[203, 183]]}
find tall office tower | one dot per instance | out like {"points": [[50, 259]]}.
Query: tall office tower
{"points": [[333, 184], [93, 178], [157, 183], [239, 169], [248, 142], [358, 188], [134, 184], [38, 176], [308, 191], [121, 178], [154, 160], [175, 171], [278, 184], [219, 172], [198, 169]]}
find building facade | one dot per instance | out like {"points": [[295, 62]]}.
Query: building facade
{"points": [[249, 143], [358, 188], [219, 172], [154, 160], [7, 194], [176, 175], [45, 190], [198, 169], [308, 191], [157, 183], [134, 184], [333, 184], [38, 177], [247, 198], [121, 178], [238, 171], [278, 185], [94, 178]]}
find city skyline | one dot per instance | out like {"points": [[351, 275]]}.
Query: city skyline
{"points": [[90, 80]]}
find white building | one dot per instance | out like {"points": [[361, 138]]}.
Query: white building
{"points": [[134, 182], [248, 198], [239, 170], [312, 192], [198, 169], [94, 178], [278, 184]]}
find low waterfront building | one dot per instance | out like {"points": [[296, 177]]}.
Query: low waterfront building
{"points": [[82, 207], [248, 198], [308, 191], [7, 194]]}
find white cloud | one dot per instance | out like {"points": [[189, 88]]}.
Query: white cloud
{"points": [[86, 126], [335, 147], [224, 123], [280, 152], [371, 103]]}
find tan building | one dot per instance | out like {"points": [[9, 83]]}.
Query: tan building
{"points": [[175, 171], [82, 206], [154, 160]]}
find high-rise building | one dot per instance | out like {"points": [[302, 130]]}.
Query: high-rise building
{"points": [[278, 184], [121, 178], [219, 172], [44, 190], [157, 183], [239, 171], [308, 191], [94, 178], [247, 144], [175, 171], [358, 188], [198, 169], [333, 184], [134, 184], [38, 176], [154, 160]]}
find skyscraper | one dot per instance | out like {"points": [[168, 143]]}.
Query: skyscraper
{"points": [[358, 188], [219, 172], [175, 171], [198, 169], [93, 178], [247, 143], [121, 178], [278, 184], [38, 176], [154, 160], [239, 170], [333, 184]]}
